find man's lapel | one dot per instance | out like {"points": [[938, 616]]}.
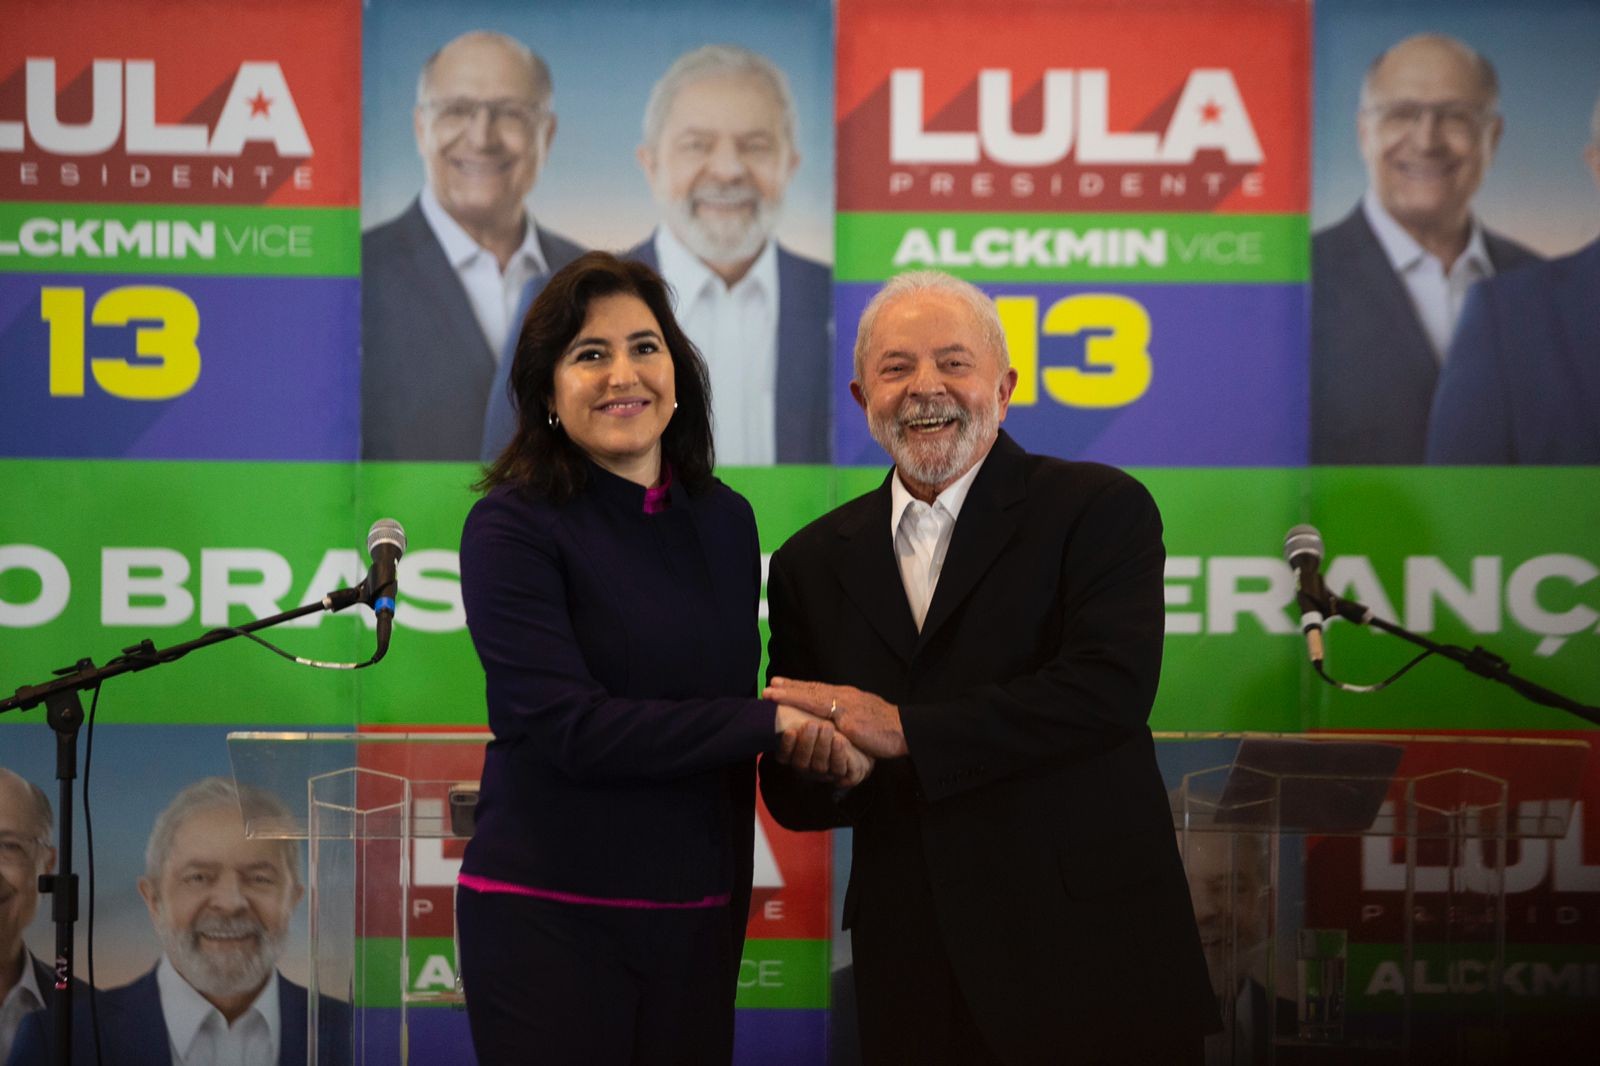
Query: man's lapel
{"points": [[987, 522], [870, 575]]}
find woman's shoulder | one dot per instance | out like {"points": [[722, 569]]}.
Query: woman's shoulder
{"points": [[508, 509], [718, 499]]}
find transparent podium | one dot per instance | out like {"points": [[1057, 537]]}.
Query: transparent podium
{"points": [[381, 814], [1350, 889]]}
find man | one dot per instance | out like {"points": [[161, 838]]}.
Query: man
{"points": [[1523, 381], [26, 821], [991, 622], [440, 283], [719, 152], [1388, 282], [221, 905]]}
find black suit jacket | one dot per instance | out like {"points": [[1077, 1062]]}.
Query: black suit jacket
{"points": [[1523, 381], [426, 368], [133, 1030], [1373, 370], [1030, 810]]}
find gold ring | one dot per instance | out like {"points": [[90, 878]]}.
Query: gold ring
{"points": [[833, 709]]}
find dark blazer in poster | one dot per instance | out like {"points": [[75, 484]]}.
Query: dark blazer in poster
{"points": [[1373, 370]]}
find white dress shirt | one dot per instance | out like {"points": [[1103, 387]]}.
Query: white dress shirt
{"points": [[23, 999], [1436, 294], [202, 1037], [493, 293], [922, 536], [736, 330]]}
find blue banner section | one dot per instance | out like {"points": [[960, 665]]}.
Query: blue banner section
{"points": [[782, 1037], [179, 367], [767, 1037], [1135, 375]]}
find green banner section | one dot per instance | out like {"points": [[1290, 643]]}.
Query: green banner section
{"points": [[430, 969], [1064, 249], [1535, 979], [789, 974], [168, 550], [74, 238], [783, 973]]}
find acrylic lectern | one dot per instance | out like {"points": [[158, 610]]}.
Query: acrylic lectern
{"points": [[1350, 889], [380, 813]]}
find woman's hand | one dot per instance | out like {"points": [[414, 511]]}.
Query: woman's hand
{"points": [[818, 751]]}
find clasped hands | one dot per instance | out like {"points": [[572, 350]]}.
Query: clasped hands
{"points": [[834, 733]]}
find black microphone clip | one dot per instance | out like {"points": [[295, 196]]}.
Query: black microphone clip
{"points": [[1302, 547], [386, 542]]}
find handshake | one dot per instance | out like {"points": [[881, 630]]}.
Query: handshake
{"points": [[834, 733]]}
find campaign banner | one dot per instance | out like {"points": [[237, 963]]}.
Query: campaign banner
{"points": [[1139, 375], [1095, 105], [155, 367], [695, 138], [165, 550], [1126, 179], [166, 101]]}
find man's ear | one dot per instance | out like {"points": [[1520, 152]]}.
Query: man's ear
{"points": [[152, 897], [859, 393], [1008, 385]]}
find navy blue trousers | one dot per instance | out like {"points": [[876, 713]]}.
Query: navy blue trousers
{"points": [[557, 983]]}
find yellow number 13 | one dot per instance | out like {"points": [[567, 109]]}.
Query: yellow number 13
{"points": [[1116, 349], [171, 344]]}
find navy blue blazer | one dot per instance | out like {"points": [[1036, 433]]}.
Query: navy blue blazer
{"points": [[620, 651], [805, 353], [426, 369], [133, 1030], [1028, 831], [1373, 370], [1522, 384]]}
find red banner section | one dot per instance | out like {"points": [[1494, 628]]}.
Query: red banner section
{"points": [[789, 902], [1086, 106], [126, 108], [1552, 885]]}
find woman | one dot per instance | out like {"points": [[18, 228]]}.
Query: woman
{"points": [[611, 586]]}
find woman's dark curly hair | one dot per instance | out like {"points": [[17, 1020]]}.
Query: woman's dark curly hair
{"points": [[543, 458]]}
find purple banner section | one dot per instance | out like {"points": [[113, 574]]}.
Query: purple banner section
{"points": [[761, 1037], [433, 1035], [771, 1037], [179, 368], [1220, 380]]}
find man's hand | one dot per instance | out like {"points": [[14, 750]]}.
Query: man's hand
{"points": [[870, 723], [816, 750]]}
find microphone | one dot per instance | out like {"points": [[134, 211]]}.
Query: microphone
{"points": [[1302, 547], [386, 542]]}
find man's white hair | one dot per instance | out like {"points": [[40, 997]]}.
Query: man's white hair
{"points": [[921, 281], [1488, 80], [44, 816], [538, 69], [206, 794], [709, 61]]}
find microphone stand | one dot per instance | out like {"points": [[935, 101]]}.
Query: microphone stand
{"points": [[1479, 660], [64, 713]]}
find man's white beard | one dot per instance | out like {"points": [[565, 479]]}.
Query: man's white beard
{"points": [[931, 462], [223, 973], [719, 238]]}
